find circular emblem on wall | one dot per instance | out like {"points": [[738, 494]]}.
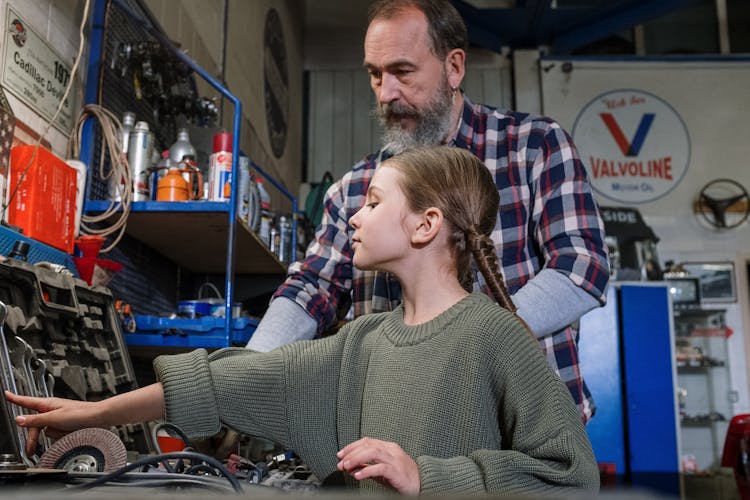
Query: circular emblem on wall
{"points": [[635, 145], [275, 82], [18, 32]]}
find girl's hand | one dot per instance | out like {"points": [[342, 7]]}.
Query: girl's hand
{"points": [[56, 417], [382, 461]]}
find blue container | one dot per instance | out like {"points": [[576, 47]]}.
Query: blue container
{"points": [[207, 331]]}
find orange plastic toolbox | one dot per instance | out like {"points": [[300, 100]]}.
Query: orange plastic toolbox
{"points": [[44, 205]]}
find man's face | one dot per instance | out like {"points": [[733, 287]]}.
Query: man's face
{"points": [[409, 81]]}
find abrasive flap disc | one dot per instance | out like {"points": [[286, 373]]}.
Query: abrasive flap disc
{"points": [[86, 450]]}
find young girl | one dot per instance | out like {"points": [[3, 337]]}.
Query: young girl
{"points": [[449, 393]]}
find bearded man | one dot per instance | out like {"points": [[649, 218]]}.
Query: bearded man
{"points": [[549, 236]]}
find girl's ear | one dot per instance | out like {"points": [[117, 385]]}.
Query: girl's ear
{"points": [[428, 226]]}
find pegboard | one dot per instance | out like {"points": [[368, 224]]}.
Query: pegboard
{"points": [[125, 84], [149, 282]]}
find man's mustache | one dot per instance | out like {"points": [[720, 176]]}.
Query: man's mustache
{"points": [[395, 110]]}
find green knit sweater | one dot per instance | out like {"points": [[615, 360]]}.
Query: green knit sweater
{"points": [[468, 395]]}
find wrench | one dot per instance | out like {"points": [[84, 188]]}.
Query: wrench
{"points": [[9, 382]]}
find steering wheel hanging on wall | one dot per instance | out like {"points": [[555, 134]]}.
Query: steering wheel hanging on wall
{"points": [[720, 197]]}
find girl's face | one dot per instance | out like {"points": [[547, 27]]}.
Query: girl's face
{"points": [[381, 228]]}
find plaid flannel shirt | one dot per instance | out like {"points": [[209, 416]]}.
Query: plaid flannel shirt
{"points": [[547, 218]]}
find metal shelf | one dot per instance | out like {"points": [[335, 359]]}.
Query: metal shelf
{"points": [[194, 235], [201, 236]]}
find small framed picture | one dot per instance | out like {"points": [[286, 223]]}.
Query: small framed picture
{"points": [[716, 278]]}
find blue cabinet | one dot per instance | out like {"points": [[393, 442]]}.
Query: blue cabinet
{"points": [[627, 354]]}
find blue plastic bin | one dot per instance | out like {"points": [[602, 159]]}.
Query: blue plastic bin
{"points": [[207, 331]]}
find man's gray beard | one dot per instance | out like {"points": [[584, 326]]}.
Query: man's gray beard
{"points": [[433, 124]]}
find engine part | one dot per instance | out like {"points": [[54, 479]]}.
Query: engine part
{"points": [[86, 450]]}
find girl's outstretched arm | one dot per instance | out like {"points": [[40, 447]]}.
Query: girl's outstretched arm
{"points": [[59, 416]]}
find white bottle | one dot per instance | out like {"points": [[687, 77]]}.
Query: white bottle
{"points": [[81, 171]]}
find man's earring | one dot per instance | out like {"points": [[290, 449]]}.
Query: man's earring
{"points": [[454, 91]]}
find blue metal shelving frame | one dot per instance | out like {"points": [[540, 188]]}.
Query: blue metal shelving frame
{"points": [[87, 148], [38, 251]]}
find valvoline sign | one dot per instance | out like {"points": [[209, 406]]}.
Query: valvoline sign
{"points": [[634, 144]]}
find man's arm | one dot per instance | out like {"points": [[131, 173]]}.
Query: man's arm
{"points": [[284, 322], [569, 233], [550, 301], [316, 286]]}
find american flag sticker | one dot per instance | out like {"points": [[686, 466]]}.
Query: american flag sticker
{"points": [[7, 126]]}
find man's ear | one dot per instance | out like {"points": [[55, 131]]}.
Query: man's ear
{"points": [[428, 226], [455, 67]]}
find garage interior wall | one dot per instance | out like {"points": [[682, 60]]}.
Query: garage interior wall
{"points": [[57, 22], [198, 27], [711, 101]]}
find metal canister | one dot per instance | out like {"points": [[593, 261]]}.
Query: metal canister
{"points": [[285, 239], [140, 147], [275, 239]]}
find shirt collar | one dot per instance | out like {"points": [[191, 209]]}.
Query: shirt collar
{"points": [[469, 128]]}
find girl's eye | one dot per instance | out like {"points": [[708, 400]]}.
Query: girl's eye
{"points": [[372, 204]]}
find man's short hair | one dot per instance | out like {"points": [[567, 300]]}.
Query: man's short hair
{"points": [[445, 25]]}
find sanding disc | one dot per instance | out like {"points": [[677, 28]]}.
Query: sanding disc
{"points": [[86, 450]]}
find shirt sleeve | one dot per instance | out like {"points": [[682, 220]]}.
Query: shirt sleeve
{"points": [[566, 220], [321, 283], [545, 447]]}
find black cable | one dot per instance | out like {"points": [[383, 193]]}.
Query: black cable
{"points": [[172, 481], [159, 458], [193, 469], [169, 427]]}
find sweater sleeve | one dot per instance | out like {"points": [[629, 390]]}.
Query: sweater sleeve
{"points": [[243, 389], [287, 395], [544, 443]]}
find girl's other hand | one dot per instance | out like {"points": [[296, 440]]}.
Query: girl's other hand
{"points": [[380, 460]]}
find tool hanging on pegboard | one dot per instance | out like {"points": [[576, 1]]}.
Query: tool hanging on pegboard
{"points": [[164, 82]]}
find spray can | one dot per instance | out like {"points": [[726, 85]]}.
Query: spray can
{"points": [[264, 230], [285, 239], [220, 168], [128, 122], [274, 240], [243, 188], [116, 183], [140, 146]]}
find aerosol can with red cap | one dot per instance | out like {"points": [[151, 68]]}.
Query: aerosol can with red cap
{"points": [[220, 168]]}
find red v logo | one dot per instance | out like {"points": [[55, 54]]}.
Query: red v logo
{"points": [[629, 148]]}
